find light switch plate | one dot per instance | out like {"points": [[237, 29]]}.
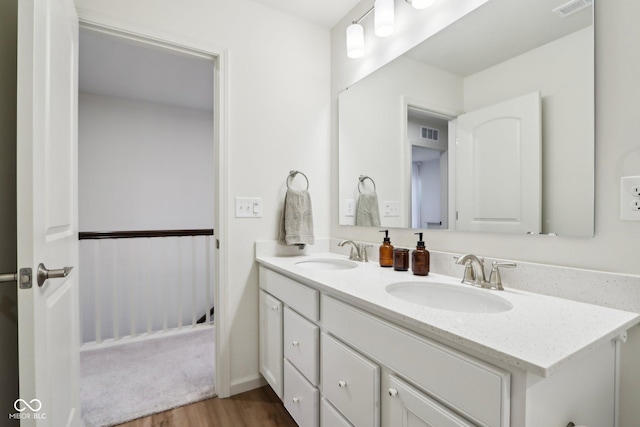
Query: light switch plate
{"points": [[248, 207], [349, 207], [629, 198]]}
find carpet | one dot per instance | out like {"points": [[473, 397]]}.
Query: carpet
{"points": [[129, 381]]}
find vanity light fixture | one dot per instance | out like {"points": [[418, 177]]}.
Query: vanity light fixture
{"points": [[420, 4], [355, 40], [384, 19], [384, 24]]}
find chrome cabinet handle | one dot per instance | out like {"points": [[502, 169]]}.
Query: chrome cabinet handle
{"points": [[393, 392], [296, 399], [44, 273], [342, 384], [295, 343], [274, 307]]}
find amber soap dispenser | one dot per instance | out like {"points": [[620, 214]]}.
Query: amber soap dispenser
{"points": [[420, 259], [386, 251]]}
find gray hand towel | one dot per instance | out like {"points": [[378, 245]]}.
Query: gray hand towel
{"points": [[296, 226], [367, 213]]}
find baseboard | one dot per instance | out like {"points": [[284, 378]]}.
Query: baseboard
{"points": [[247, 383]]}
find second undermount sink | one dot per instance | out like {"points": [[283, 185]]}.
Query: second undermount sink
{"points": [[326, 264], [449, 297]]}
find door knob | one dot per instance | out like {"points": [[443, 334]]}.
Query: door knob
{"points": [[44, 273]]}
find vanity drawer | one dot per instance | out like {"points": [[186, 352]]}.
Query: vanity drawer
{"points": [[350, 382], [409, 407], [330, 417], [300, 397], [301, 344], [303, 299], [439, 370]]}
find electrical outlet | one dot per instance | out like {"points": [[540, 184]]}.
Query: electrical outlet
{"points": [[391, 209], [248, 207], [630, 198]]}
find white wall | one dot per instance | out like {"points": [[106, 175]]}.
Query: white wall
{"points": [[8, 291], [143, 166], [278, 120], [614, 246]]}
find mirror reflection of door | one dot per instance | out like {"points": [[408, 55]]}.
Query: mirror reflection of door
{"points": [[428, 138], [498, 167]]}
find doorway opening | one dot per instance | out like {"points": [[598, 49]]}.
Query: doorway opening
{"points": [[147, 192], [428, 137]]}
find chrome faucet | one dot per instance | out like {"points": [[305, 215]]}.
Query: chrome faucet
{"points": [[474, 271], [477, 273], [358, 251]]}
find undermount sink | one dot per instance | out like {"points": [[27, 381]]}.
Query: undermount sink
{"points": [[449, 297], [326, 264]]}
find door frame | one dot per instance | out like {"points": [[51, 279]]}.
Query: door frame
{"points": [[219, 55]]}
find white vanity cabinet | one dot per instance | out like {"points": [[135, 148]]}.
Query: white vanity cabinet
{"points": [[335, 364]]}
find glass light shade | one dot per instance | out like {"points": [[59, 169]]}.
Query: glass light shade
{"points": [[384, 17], [421, 4], [355, 41]]}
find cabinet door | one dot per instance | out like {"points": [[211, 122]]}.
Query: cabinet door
{"points": [[350, 382], [271, 341], [412, 408]]}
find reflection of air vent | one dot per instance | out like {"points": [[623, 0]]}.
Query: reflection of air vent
{"points": [[429, 134], [572, 7]]}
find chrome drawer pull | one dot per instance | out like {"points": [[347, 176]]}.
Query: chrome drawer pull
{"points": [[296, 400], [295, 343], [274, 308], [342, 384], [393, 392]]}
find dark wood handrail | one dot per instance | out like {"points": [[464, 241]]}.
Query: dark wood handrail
{"points": [[93, 235]]}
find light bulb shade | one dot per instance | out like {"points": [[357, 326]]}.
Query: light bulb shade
{"points": [[421, 4], [384, 17], [355, 41]]}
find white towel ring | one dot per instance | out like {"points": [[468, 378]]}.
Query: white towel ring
{"points": [[293, 173], [362, 178]]}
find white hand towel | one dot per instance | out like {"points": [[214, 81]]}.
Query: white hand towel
{"points": [[367, 213], [296, 226]]}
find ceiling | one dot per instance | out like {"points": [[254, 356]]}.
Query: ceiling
{"points": [[496, 31], [123, 68], [326, 13]]}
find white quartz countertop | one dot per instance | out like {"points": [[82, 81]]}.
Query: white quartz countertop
{"points": [[539, 334]]}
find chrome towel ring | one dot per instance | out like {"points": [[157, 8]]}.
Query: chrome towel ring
{"points": [[361, 180], [293, 173]]}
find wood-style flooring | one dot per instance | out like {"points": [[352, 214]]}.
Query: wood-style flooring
{"points": [[256, 408]]}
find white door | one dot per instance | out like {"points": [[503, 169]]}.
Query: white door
{"points": [[47, 212], [498, 167]]}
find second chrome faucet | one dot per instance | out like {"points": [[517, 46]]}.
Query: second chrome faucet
{"points": [[474, 272]]}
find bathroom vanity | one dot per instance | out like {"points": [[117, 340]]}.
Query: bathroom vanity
{"points": [[340, 347]]}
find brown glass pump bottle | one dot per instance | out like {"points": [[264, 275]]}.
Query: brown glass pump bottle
{"points": [[386, 251], [420, 259]]}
